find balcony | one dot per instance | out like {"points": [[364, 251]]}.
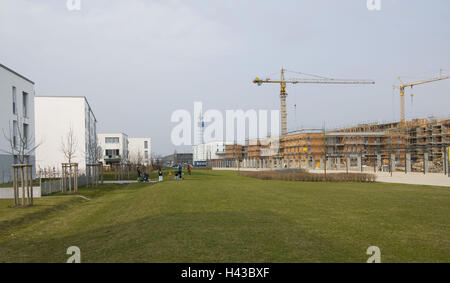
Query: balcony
{"points": [[113, 159]]}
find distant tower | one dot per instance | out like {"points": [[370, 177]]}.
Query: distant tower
{"points": [[200, 129]]}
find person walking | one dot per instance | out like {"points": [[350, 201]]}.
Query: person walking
{"points": [[180, 171], [160, 174], [138, 172]]}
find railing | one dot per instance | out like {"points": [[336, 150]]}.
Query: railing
{"points": [[50, 186]]}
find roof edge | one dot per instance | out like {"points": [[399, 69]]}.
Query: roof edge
{"points": [[17, 74]]}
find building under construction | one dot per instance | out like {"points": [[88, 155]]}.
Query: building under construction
{"points": [[420, 145]]}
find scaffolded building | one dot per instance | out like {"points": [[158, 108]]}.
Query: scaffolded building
{"points": [[420, 145]]}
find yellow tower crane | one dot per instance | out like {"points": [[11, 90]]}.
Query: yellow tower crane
{"points": [[412, 84], [283, 94]]}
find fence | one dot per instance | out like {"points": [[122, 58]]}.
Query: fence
{"points": [[50, 186]]}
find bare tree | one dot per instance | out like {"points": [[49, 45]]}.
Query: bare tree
{"points": [[21, 141], [157, 161], [138, 158], [93, 152], [21, 145], [69, 145]]}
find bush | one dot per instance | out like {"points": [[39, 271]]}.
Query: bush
{"points": [[301, 175]]}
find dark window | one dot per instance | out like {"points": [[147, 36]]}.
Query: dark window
{"points": [[15, 132], [14, 99], [25, 104], [112, 153], [25, 135]]}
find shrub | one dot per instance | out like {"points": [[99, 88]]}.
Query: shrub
{"points": [[301, 175]]}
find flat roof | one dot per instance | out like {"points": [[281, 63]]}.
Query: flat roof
{"points": [[15, 73]]}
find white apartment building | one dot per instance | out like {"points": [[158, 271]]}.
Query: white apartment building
{"points": [[16, 119], [207, 151], [139, 150], [57, 118], [114, 148]]}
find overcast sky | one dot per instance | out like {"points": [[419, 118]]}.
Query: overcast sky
{"points": [[139, 60]]}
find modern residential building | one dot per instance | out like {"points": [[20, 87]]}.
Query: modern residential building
{"points": [[60, 119], [139, 150], [16, 120], [114, 148]]}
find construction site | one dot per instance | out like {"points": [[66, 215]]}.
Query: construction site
{"points": [[418, 145]]}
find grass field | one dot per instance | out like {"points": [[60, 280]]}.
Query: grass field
{"points": [[216, 216]]}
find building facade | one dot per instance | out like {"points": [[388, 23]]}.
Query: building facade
{"points": [[140, 150], [202, 153], [16, 121], [63, 123], [420, 145], [114, 148]]}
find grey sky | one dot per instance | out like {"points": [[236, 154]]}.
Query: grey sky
{"points": [[137, 61]]}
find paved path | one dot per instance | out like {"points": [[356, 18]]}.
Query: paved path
{"points": [[122, 182], [68, 196], [430, 179]]}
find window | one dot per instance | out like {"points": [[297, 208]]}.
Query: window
{"points": [[14, 99], [146, 144], [25, 104], [25, 135], [112, 140], [15, 131], [146, 154], [110, 153]]}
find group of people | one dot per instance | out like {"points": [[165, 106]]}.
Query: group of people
{"points": [[178, 173]]}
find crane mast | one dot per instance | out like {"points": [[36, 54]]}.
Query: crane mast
{"points": [[411, 85], [283, 94]]}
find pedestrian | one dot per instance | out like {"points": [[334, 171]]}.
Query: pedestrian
{"points": [[189, 169], [170, 176], [180, 171], [160, 174], [138, 172]]}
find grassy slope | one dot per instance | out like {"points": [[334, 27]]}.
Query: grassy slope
{"points": [[219, 216]]}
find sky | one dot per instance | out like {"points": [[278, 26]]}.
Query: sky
{"points": [[137, 61]]}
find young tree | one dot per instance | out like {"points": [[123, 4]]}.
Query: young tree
{"points": [[69, 145], [20, 140], [138, 158], [21, 145]]}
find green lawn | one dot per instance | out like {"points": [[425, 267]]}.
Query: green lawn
{"points": [[216, 216]]}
